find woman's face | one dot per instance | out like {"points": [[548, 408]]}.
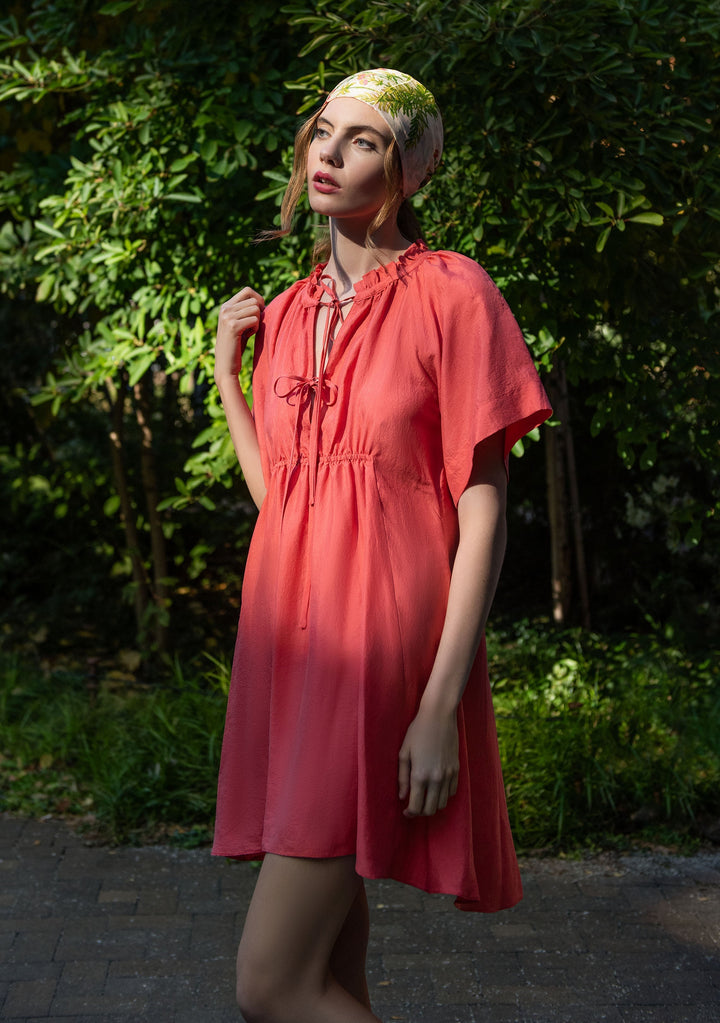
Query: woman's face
{"points": [[346, 160]]}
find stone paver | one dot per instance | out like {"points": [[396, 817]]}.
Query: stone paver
{"points": [[103, 935]]}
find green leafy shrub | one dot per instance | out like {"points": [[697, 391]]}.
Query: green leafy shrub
{"points": [[601, 735], [130, 758]]}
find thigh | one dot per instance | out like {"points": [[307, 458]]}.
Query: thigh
{"points": [[297, 911]]}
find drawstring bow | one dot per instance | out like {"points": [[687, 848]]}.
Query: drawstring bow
{"points": [[314, 393]]}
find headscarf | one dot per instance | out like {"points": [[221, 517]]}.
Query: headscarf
{"points": [[411, 114]]}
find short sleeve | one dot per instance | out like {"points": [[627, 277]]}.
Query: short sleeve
{"points": [[487, 379]]}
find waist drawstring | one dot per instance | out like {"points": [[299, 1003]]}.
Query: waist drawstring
{"points": [[315, 393]]}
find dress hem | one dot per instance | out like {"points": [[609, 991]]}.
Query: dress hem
{"points": [[462, 902]]}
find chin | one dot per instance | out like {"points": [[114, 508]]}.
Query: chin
{"points": [[321, 204]]}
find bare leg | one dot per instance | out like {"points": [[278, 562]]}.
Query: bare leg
{"points": [[347, 961], [302, 913]]}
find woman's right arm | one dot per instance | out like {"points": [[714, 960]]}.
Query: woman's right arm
{"points": [[239, 319]]}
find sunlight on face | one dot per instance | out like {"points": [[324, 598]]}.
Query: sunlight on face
{"points": [[346, 160]]}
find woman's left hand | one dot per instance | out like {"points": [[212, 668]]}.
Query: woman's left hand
{"points": [[429, 762]]}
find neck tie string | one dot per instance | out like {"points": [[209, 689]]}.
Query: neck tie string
{"points": [[314, 393]]}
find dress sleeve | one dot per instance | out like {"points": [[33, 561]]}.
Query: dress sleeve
{"points": [[487, 381]]}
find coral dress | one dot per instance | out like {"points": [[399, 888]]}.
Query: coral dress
{"points": [[348, 572]]}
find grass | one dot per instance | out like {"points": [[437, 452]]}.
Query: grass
{"points": [[603, 740], [131, 762]]}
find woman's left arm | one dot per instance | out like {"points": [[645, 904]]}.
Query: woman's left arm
{"points": [[429, 765]]}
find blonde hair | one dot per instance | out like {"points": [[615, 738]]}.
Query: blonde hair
{"points": [[394, 205]]}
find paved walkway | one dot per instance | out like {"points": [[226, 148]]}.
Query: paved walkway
{"points": [[102, 935]]}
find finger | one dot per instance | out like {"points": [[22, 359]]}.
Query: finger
{"points": [[421, 798], [403, 775], [246, 319], [239, 313], [432, 799], [250, 307], [443, 795], [232, 309], [246, 294], [430, 807], [416, 799], [239, 320]]}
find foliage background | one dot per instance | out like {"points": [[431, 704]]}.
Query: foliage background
{"points": [[144, 143]]}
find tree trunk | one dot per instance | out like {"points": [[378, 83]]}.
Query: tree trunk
{"points": [[574, 495], [141, 598], [564, 509], [148, 468], [560, 561]]}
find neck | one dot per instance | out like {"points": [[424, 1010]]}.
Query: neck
{"points": [[350, 256]]}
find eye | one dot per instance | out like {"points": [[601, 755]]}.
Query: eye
{"points": [[364, 143], [320, 133]]}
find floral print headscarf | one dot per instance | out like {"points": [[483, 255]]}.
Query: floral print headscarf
{"points": [[411, 114]]}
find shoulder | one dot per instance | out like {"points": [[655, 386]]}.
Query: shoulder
{"points": [[282, 302], [445, 262], [282, 312], [453, 274], [460, 290]]}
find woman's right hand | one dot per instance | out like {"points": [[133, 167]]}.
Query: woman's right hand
{"points": [[238, 320]]}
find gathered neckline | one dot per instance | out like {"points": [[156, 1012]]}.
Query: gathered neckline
{"points": [[371, 281]]}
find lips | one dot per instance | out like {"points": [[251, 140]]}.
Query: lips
{"points": [[323, 182]]}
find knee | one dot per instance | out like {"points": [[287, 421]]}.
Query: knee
{"points": [[257, 993]]}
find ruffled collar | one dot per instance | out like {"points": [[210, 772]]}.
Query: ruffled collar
{"points": [[372, 281]]}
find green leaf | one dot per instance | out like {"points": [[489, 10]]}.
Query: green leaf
{"points": [[112, 505], [208, 149], [518, 448], [117, 7], [602, 239], [44, 288], [139, 367], [656, 219], [183, 197], [46, 228], [182, 162]]}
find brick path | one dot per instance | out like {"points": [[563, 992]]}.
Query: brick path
{"points": [[101, 935]]}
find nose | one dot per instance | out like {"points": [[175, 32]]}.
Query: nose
{"points": [[330, 153]]}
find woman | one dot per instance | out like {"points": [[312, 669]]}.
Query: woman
{"points": [[388, 389]]}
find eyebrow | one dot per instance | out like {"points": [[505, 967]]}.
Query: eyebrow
{"points": [[353, 128]]}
